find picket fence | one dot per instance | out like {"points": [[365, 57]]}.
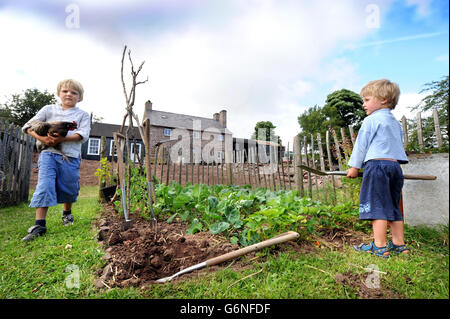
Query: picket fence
{"points": [[281, 173], [16, 150]]}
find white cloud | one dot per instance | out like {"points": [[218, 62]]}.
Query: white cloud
{"points": [[443, 58], [423, 7], [259, 63], [39, 56], [405, 102]]}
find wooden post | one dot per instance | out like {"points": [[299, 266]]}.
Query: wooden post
{"points": [[254, 166], [239, 168], [180, 165], [338, 152], [419, 131], [192, 171], [102, 155], [344, 143], [229, 164], [168, 167], [203, 173], [174, 169], [437, 128], [298, 172], [217, 173], [162, 164], [13, 164], [330, 163], [283, 174], [305, 144], [289, 166], [322, 166], [251, 151], [245, 158], [316, 177], [352, 134], [207, 166], [257, 166], [279, 175], [405, 132], [156, 166]]}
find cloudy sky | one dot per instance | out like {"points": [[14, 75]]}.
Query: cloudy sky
{"points": [[260, 60]]}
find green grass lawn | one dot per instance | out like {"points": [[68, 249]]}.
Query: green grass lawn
{"points": [[47, 267]]}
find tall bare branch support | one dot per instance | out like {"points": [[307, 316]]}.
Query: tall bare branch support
{"points": [[130, 99]]}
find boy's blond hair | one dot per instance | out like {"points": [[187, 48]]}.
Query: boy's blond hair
{"points": [[71, 84], [383, 90]]}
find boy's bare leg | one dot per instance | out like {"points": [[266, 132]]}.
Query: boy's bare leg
{"points": [[398, 236], [41, 212], [379, 227], [67, 206]]}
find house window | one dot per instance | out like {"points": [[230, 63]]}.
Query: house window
{"points": [[220, 137], [196, 135], [167, 131], [93, 146], [112, 148], [138, 152]]}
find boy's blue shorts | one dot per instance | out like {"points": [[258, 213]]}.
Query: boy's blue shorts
{"points": [[381, 191], [57, 180]]}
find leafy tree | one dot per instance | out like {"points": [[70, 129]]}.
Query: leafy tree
{"points": [[269, 132], [438, 99], [312, 121], [20, 108], [344, 108]]}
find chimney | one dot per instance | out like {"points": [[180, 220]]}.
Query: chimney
{"points": [[148, 106], [147, 110], [216, 117], [223, 118]]}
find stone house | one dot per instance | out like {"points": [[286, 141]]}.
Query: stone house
{"points": [[187, 136]]}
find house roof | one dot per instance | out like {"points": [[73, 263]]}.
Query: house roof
{"points": [[175, 120], [107, 130]]}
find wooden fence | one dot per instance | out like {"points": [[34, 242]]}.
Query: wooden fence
{"points": [[327, 153], [310, 152], [15, 164], [419, 128], [242, 169]]}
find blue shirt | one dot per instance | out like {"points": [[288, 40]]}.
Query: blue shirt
{"points": [[380, 136]]}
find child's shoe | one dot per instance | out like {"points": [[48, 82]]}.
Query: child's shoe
{"points": [[374, 250], [397, 248], [34, 231], [67, 219]]}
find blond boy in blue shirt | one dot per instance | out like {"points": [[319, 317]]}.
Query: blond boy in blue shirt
{"points": [[379, 150], [58, 179]]}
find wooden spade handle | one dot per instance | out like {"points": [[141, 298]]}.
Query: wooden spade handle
{"points": [[290, 235], [421, 177], [406, 176]]}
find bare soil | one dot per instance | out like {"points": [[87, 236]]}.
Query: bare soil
{"points": [[137, 255]]}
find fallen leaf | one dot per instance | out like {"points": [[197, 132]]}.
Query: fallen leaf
{"points": [[38, 286]]}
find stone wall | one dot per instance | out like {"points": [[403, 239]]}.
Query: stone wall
{"points": [[427, 202]]}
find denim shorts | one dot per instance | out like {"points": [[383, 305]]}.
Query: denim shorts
{"points": [[381, 190], [58, 180]]}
